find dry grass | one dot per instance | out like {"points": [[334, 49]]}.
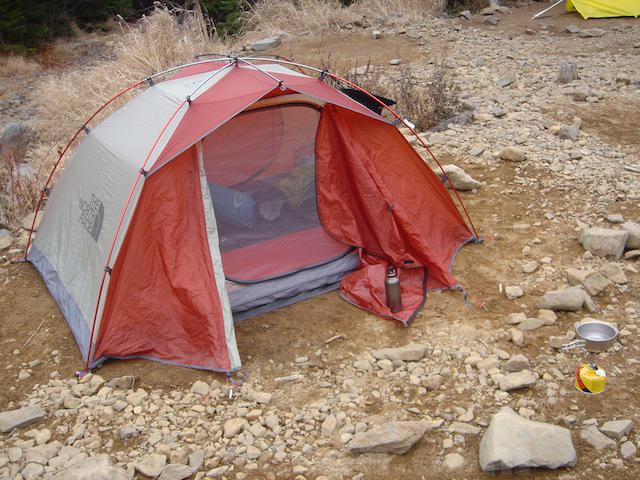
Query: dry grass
{"points": [[161, 40], [13, 65], [300, 16]]}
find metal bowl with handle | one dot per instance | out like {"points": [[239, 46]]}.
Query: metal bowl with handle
{"points": [[594, 336]]}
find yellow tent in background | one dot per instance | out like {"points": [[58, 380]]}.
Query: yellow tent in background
{"points": [[605, 8]]}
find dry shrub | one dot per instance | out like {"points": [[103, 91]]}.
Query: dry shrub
{"points": [[17, 65], [425, 100], [164, 39], [299, 16]]}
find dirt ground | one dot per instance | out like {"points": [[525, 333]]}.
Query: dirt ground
{"points": [[31, 324]]}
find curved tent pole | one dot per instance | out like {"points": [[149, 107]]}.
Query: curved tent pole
{"points": [[141, 174], [66, 148], [82, 128]]}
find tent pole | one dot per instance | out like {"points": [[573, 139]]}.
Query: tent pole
{"points": [[546, 9]]}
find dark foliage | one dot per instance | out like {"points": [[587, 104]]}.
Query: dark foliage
{"points": [[27, 24]]}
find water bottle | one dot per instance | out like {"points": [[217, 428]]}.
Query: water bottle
{"points": [[392, 288]]}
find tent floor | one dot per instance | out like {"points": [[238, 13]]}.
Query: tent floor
{"points": [[250, 300]]}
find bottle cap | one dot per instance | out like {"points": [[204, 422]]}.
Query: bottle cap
{"points": [[391, 271]]}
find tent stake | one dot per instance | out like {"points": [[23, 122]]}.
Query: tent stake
{"points": [[546, 9]]}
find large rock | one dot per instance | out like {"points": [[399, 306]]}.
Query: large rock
{"points": [[603, 242], [568, 300], [596, 439], [614, 272], [514, 442], [460, 179], [517, 363], [633, 229], [19, 418], [516, 380], [16, 137], [99, 467], [265, 44], [391, 437], [412, 352]]}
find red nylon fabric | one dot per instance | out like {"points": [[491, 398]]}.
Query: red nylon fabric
{"points": [[377, 193], [162, 302]]}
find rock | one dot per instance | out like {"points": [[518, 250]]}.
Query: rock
{"points": [[476, 151], [266, 44], [530, 267], [99, 467], [5, 242], [395, 61], [549, 317], [329, 425], [516, 336], [196, 460], [530, 324], [432, 382], [391, 437], [572, 29], [516, 380], [233, 426], [464, 428], [615, 218], [603, 242], [466, 14], [32, 471], [594, 282], [492, 20], [570, 132], [570, 300], [591, 32], [515, 318], [512, 442], [513, 292], [175, 471], [597, 440], [513, 154], [125, 383], [409, 353], [581, 93], [517, 363], [627, 449], [263, 398], [376, 34], [42, 453], [617, 429], [200, 388], [460, 179], [614, 272], [567, 72], [136, 398], [151, 465], [558, 341], [633, 229], [11, 419], [453, 461], [632, 254]]}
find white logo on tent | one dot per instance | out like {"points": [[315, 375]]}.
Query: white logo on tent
{"points": [[92, 216]]}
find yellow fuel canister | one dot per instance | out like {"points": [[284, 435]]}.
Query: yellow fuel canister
{"points": [[590, 379]]}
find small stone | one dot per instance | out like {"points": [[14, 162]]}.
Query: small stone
{"points": [[263, 398], [329, 425], [513, 154], [570, 132], [615, 218], [597, 440], [391, 437], [233, 426], [460, 179], [570, 299], [627, 449], [633, 229], [591, 32], [614, 272], [376, 34], [515, 318], [175, 471], [453, 461], [617, 429], [432, 382], [517, 363], [409, 353], [516, 380], [513, 292], [395, 61], [517, 336], [530, 324], [266, 44], [549, 317], [200, 388], [151, 465], [530, 267]]}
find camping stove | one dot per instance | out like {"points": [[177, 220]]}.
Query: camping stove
{"points": [[593, 337]]}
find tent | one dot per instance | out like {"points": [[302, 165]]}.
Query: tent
{"points": [[605, 8], [232, 188]]}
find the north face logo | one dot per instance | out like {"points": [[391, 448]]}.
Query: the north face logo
{"points": [[92, 216]]}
